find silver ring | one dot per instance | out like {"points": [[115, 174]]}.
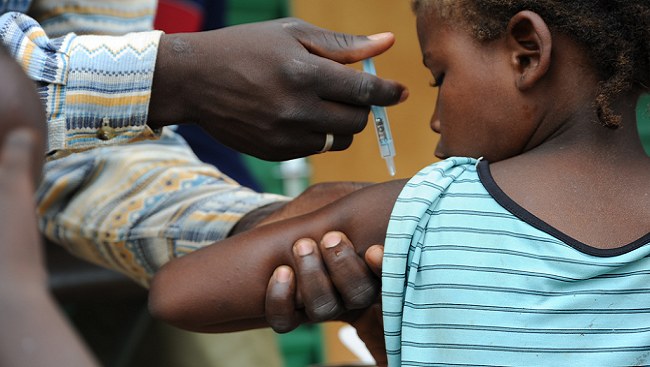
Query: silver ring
{"points": [[329, 140]]}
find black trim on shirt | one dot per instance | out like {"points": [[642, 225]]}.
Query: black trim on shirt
{"points": [[484, 174]]}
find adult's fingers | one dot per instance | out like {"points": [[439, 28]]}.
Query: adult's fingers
{"points": [[280, 308], [330, 282], [340, 142], [319, 296], [340, 47], [341, 83], [353, 280], [327, 116], [342, 120]]}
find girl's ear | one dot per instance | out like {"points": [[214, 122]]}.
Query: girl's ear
{"points": [[529, 39]]}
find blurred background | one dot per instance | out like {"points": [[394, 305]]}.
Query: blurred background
{"points": [[118, 328]]}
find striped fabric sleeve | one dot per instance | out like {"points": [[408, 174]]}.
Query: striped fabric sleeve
{"points": [[133, 208], [407, 223], [96, 89]]}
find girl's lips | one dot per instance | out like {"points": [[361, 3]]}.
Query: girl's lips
{"points": [[439, 154]]}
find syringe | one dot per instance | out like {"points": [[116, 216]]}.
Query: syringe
{"points": [[382, 128]]}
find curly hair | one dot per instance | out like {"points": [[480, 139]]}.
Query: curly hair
{"points": [[615, 33]]}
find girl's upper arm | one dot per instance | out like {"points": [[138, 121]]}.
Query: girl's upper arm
{"points": [[227, 281]]}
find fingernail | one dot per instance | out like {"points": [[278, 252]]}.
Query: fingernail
{"points": [[379, 36], [304, 247], [283, 274], [375, 255], [404, 96], [331, 239]]}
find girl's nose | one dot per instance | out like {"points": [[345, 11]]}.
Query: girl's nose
{"points": [[435, 120]]}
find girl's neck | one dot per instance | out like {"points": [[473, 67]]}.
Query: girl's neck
{"points": [[586, 180], [581, 137]]}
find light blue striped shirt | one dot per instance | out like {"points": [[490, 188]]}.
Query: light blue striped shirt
{"points": [[468, 282]]}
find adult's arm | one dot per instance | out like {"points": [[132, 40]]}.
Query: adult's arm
{"points": [[270, 89], [223, 287], [96, 89], [135, 207], [132, 208]]}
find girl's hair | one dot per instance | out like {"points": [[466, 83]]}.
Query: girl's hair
{"points": [[615, 33]]}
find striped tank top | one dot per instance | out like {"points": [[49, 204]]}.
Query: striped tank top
{"points": [[472, 279]]}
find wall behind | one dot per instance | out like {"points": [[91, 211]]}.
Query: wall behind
{"points": [[414, 140]]}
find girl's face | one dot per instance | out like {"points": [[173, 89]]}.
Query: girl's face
{"points": [[480, 112]]}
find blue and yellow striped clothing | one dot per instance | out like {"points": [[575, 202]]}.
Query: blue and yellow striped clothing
{"points": [[92, 62], [135, 207], [130, 207], [472, 279]]}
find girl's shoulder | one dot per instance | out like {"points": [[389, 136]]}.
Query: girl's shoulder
{"points": [[444, 173]]}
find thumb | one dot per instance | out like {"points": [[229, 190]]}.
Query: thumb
{"points": [[374, 258], [342, 47]]}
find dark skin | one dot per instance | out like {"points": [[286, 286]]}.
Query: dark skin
{"points": [[262, 114], [335, 274], [271, 89], [21, 107], [556, 147], [208, 272], [330, 273], [314, 197], [558, 138], [538, 128], [36, 332]]}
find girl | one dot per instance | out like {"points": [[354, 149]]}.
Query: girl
{"points": [[528, 245]]}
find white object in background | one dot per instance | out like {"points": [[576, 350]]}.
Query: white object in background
{"points": [[349, 338]]}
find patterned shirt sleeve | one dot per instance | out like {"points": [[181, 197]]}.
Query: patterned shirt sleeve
{"points": [[135, 208], [96, 89]]}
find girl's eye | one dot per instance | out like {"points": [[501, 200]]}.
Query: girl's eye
{"points": [[437, 82]]}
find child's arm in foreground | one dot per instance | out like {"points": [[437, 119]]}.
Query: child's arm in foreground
{"points": [[222, 287]]}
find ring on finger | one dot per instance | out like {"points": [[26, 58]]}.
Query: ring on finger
{"points": [[329, 141]]}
